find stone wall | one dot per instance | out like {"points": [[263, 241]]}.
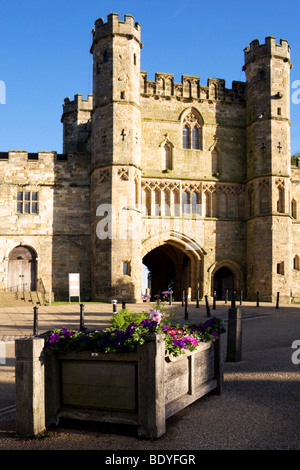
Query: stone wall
{"points": [[59, 233]]}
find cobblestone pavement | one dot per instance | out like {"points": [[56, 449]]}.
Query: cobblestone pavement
{"points": [[258, 410]]}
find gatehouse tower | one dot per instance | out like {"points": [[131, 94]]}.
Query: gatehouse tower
{"points": [[116, 158], [269, 221]]}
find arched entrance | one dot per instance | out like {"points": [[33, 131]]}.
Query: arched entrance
{"points": [[223, 281], [22, 269], [169, 270], [174, 263]]}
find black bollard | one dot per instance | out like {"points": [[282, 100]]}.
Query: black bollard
{"points": [[234, 335], [226, 296], [241, 298], [233, 299], [207, 306], [186, 311], [277, 300], [81, 317], [257, 299], [35, 321], [170, 299], [123, 304], [114, 302], [182, 303], [214, 300], [197, 303]]}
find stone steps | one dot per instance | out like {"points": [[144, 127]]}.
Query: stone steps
{"points": [[21, 299]]}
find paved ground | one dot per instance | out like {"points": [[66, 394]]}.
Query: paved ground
{"points": [[259, 408]]}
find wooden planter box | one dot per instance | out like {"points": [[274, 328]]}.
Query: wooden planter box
{"points": [[141, 388]]}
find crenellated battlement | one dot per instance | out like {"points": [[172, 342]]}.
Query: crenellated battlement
{"points": [[78, 103], [269, 48], [127, 27], [22, 156], [190, 87]]}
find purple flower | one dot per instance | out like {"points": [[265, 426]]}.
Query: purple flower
{"points": [[148, 323], [54, 338], [130, 328], [180, 343]]}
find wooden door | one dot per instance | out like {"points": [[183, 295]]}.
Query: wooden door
{"points": [[22, 269]]}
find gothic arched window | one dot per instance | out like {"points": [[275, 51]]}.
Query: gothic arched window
{"points": [[280, 199], [195, 203], [167, 157], [186, 137], [192, 130], [264, 200], [185, 202], [195, 137], [294, 209], [215, 161]]}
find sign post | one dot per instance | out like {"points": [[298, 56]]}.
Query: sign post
{"points": [[74, 285]]}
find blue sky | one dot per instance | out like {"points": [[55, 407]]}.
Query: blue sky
{"points": [[44, 51]]}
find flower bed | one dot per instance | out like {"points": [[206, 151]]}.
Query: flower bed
{"points": [[178, 339], [135, 372]]}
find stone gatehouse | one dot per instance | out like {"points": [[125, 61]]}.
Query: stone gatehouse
{"points": [[193, 181]]}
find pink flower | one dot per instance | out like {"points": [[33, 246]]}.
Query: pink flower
{"points": [[157, 315]]}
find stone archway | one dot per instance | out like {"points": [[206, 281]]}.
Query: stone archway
{"points": [[227, 276], [21, 269], [174, 263], [223, 282]]}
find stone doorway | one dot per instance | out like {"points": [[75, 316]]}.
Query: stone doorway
{"points": [[223, 281], [170, 268], [21, 269]]}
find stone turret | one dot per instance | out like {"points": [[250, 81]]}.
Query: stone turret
{"points": [[116, 158], [267, 68], [76, 121]]}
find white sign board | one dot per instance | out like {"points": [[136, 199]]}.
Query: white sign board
{"points": [[74, 285]]}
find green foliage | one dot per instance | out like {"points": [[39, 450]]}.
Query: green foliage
{"points": [[124, 317], [129, 329], [294, 158]]}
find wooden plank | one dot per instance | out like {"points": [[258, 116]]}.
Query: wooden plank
{"points": [[98, 416], [102, 398], [203, 367], [176, 388], [175, 369], [99, 373], [99, 384], [186, 400]]}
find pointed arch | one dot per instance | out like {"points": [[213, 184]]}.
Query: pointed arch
{"points": [[167, 150], [294, 208], [233, 267], [185, 202], [186, 136], [192, 129], [264, 199], [166, 154], [215, 161]]}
